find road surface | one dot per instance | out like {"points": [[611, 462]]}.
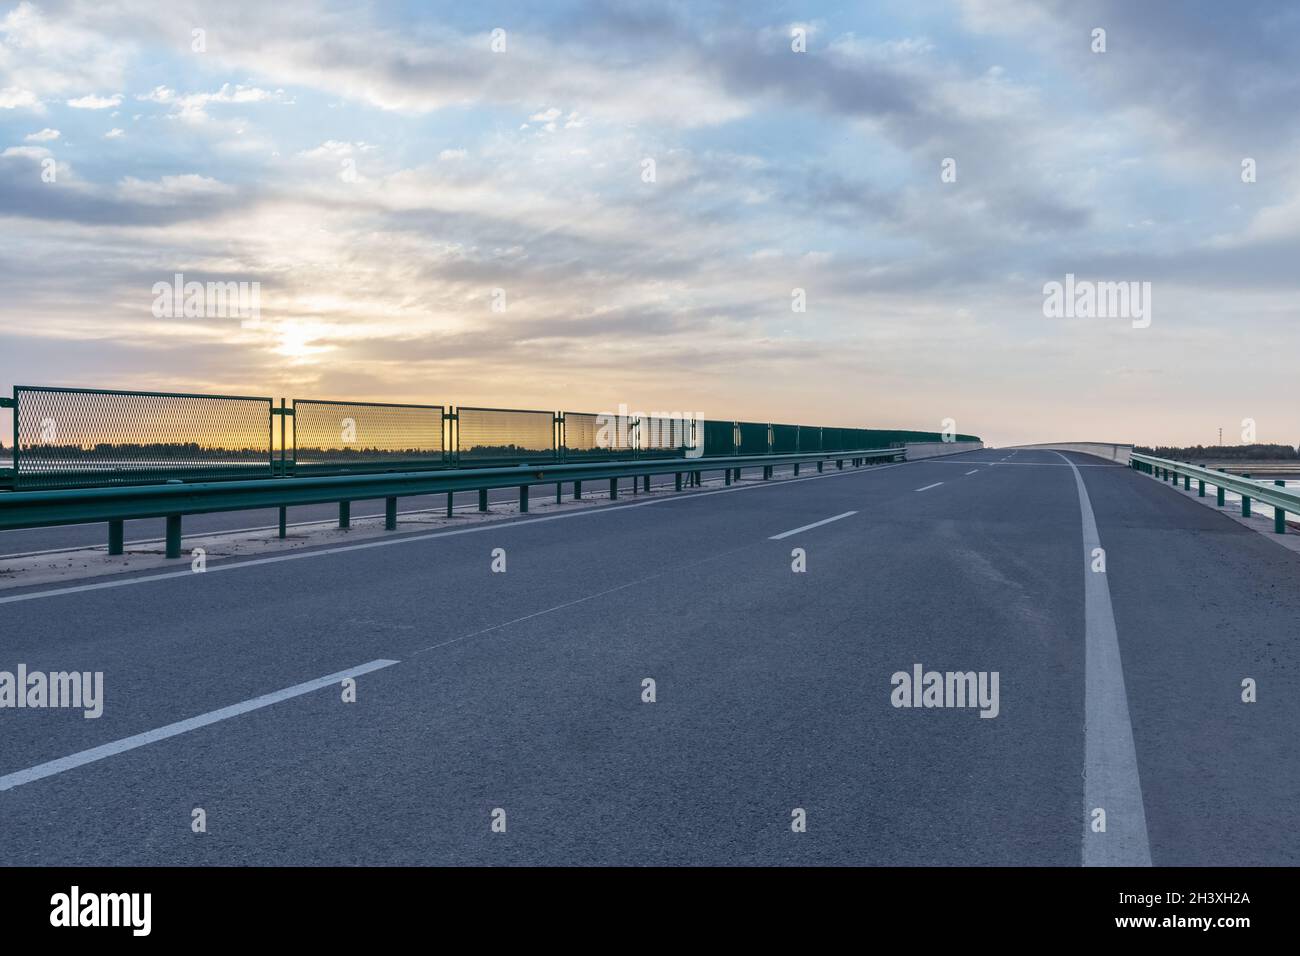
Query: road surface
{"points": [[523, 691]]}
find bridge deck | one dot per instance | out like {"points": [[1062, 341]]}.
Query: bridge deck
{"points": [[523, 690]]}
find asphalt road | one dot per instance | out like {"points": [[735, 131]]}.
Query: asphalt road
{"points": [[523, 690]]}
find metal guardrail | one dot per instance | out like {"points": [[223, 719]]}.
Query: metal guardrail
{"points": [[36, 509], [1281, 498]]}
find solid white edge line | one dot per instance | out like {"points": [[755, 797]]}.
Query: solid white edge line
{"points": [[1110, 769], [809, 527], [928, 487], [103, 751]]}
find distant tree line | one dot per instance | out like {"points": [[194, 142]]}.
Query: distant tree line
{"points": [[1221, 452]]}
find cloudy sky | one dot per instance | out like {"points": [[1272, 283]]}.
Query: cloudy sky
{"points": [[381, 169]]}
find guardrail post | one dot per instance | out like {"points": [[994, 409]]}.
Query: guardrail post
{"points": [[819, 466], [523, 498], [796, 469], [115, 535], [1200, 487], [284, 522], [677, 481], [1187, 482], [577, 491], [1221, 499], [1279, 514], [726, 477], [449, 497], [345, 514], [699, 479], [613, 489], [839, 464], [1245, 502], [559, 492], [647, 484], [482, 499], [173, 536], [767, 472], [390, 514]]}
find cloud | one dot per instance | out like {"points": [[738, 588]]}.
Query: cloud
{"points": [[59, 55], [94, 102], [193, 106], [11, 97], [42, 136], [115, 133]]}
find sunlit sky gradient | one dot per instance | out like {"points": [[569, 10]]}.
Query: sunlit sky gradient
{"points": [[523, 170]]}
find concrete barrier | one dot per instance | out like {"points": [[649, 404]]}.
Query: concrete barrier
{"points": [[1111, 451], [934, 449]]}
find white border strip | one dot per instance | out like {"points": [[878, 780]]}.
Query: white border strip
{"points": [[809, 527], [1110, 770], [104, 751]]}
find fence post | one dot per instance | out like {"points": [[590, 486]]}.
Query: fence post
{"points": [[173, 536]]}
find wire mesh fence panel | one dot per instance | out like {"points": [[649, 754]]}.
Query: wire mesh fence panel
{"points": [[831, 439], [589, 437], [719, 438], [664, 437], [785, 439], [351, 436], [753, 438], [810, 438], [503, 436], [76, 438]]}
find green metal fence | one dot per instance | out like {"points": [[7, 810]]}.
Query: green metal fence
{"points": [[505, 435], [70, 438], [77, 437], [589, 437], [355, 436], [664, 437], [751, 438]]}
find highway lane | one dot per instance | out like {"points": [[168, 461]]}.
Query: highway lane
{"points": [[773, 688]]}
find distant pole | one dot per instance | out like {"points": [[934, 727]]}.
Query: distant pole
{"points": [[1220, 436]]}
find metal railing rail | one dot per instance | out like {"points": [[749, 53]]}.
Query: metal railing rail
{"points": [[37, 509], [1281, 498]]}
